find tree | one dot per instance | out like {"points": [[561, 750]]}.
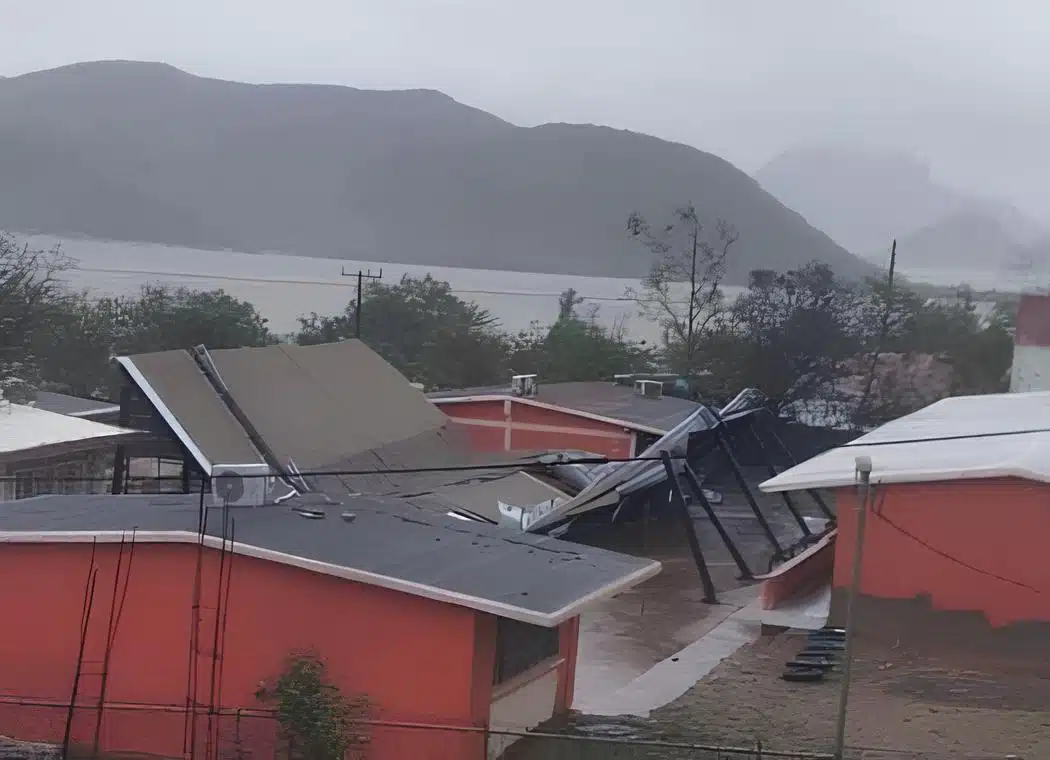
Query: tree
{"points": [[686, 255], [424, 330], [791, 335], [576, 347], [31, 296], [160, 318], [316, 721]]}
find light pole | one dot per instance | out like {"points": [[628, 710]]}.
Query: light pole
{"points": [[863, 478]]}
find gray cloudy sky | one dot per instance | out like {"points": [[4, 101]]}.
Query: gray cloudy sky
{"points": [[960, 82]]}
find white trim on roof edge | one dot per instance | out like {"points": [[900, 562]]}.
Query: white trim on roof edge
{"points": [[169, 417], [550, 407], [780, 483], [489, 606], [92, 412]]}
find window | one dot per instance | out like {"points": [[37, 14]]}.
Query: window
{"points": [[520, 646]]}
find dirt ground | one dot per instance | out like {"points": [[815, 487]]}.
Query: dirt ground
{"points": [[897, 702]]}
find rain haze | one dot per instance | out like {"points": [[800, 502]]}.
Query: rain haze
{"points": [[958, 83]]}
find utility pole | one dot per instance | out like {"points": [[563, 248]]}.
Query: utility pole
{"points": [[864, 501], [361, 276]]}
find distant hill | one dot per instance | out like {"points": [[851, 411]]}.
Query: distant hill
{"points": [[145, 152], [864, 199]]}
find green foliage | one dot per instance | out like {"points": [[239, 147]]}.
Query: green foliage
{"points": [[422, 328], [317, 722], [159, 318], [789, 335], [31, 297], [577, 348]]}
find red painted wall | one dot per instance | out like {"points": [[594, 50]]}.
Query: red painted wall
{"points": [[417, 660], [532, 428], [975, 545]]}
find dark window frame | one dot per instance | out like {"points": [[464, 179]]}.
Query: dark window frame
{"points": [[521, 647]]}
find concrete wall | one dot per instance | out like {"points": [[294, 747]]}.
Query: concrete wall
{"points": [[415, 659], [511, 425], [969, 545]]}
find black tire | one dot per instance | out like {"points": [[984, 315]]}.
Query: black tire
{"points": [[826, 646], [832, 629], [811, 662], [821, 653], [802, 675], [827, 635]]}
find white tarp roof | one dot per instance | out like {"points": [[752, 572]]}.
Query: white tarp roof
{"points": [[965, 437], [25, 427]]}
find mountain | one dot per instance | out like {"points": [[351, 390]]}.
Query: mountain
{"points": [[144, 152], [864, 199]]}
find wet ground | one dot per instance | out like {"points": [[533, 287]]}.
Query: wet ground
{"points": [[626, 636]]}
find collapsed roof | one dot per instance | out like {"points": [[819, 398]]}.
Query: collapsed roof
{"points": [[330, 408]]}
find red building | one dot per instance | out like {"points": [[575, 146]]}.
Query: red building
{"points": [[953, 548], [613, 419], [437, 622]]}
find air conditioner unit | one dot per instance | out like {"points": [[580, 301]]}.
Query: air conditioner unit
{"points": [[524, 385], [241, 485], [649, 388]]}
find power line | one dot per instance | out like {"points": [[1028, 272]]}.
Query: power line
{"points": [[337, 284], [399, 471]]}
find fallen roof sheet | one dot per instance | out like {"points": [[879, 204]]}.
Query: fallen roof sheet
{"points": [[73, 406], [319, 405], [483, 493], [960, 438], [534, 579], [25, 428], [186, 400], [602, 399]]}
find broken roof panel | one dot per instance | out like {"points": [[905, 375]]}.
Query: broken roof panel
{"points": [[186, 400], [960, 438], [481, 495], [319, 405], [535, 579]]}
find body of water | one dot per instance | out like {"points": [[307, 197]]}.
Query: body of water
{"points": [[284, 287]]}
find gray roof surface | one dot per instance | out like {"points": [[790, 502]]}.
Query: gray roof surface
{"points": [[73, 406], [186, 392], [607, 399], [321, 404], [537, 575]]}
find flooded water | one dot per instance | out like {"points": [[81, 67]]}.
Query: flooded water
{"points": [[284, 287]]}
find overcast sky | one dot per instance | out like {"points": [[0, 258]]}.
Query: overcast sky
{"points": [[962, 83]]}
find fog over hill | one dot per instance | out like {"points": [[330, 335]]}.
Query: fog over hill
{"points": [[145, 152], [865, 198]]}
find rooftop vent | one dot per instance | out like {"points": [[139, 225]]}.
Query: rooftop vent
{"points": [[649, 388], [524, 385]]}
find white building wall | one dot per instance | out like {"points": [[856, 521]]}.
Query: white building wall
{"points": [[1030, 370]]}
